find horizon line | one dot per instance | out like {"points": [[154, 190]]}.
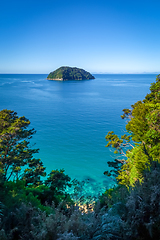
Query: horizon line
{"points": [[97, 73]]}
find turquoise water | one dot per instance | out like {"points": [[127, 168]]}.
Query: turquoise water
{"points": [[73, 117]]}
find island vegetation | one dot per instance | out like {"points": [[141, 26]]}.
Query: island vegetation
{"points": [[69, 73], [36, 209]]}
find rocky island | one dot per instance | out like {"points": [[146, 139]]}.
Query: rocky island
{"points": [[69, 73]]}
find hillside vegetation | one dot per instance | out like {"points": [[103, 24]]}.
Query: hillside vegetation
{"points": [[69, 73]]}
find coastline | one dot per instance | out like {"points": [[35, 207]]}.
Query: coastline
{"points": [[55, 79], [61, 79]]}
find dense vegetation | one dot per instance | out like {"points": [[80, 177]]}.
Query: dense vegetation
{"points": [[143, 138], [36, 209], [69, 73]]}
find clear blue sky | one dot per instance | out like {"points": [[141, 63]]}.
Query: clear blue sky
{"points": [[101, 36]]}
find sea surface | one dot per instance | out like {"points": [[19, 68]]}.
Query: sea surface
{"points": [[72, 118]]}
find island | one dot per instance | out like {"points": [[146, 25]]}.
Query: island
{"points": [[69, 73]]}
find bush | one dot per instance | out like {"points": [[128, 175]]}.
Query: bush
{"points": [[142, 219]]}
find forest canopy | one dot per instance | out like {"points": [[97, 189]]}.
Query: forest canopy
{"points": [[69, 73]]}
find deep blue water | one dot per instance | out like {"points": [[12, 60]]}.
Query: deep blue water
{"points": [[73, 117]]}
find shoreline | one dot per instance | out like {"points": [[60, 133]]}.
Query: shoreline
{"points": [[55, 79]]}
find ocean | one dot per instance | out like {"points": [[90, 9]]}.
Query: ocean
{"points": [[72, 118]]}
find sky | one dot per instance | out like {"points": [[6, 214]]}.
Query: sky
{"points": [[100, 36]]}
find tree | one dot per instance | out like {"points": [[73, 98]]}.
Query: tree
{"points": [[57, 180], [16, 156], [141, 144], [53, 189]]}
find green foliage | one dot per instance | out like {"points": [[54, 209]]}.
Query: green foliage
{"points": [[118, 143], [133, 168], [142, 143], [127, 112], [13, 193], [57, 180], [144, 125], [142, 218], [20, 173], [122, 146], [15, 152], [113, 195], [69, 73], [133, 214]]}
